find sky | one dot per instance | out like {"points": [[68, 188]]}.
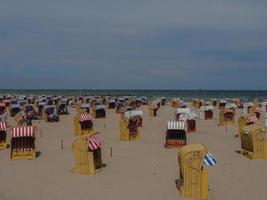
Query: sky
{"points": [[133, 44]]}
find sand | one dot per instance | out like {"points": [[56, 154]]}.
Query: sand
{"points": [[140, 170]]}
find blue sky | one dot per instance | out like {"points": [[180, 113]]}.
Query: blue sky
{"points": [[126, 44]]}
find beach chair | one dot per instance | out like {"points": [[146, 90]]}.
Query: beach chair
{"points": [[112, 104], [2, 107], [135, 113], [264, 106], [254, 142], [193, 181], [206, 112], [246, 120], [87, 154], [62, 108], [99, 111], [50, 114], [30, 111], [249, 108], [163, 101], [222, 103], [3, 135], [153, 109], [83, 124], [175, 134], [227, 115], [14, 109], [180, 111], [214, 102], [190, 120], [130, 126], [23, 143]]}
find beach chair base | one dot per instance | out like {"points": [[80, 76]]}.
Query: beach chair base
{"points": [[252, 155], [23, 155], [3, 145]]}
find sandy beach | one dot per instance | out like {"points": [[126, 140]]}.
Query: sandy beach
{"points": [[139, 170]]}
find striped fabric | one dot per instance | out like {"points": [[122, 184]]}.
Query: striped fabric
{"points": [[209, 160], [3, 126], [86, 117], [252, 119], [176, 125], [95, 141], [27, 131]]}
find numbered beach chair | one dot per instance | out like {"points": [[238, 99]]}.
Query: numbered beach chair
{"points": [[3, 134], [254, 142], [23, 143], [175, 134], [87, 154], [193, 181], [206, 112], [130, 126], [83, 124]]}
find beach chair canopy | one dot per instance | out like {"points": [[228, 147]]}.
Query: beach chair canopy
{"points": [[206, 108], [133, 113], [95, 141], [41, 103], [49, 108], [230, 106], [3, 126], [176, 125], [188, 116], [112, 101], [223, 101], [100, 107], [252, 119], [23, 131], [248, 104], [86, 117], [15, 106], [182, 110], [85, 106]]}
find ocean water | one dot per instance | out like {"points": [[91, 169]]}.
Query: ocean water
{"points": [[247, 95]]}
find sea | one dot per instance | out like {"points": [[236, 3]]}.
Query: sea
{"points": [[187, 95]]}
